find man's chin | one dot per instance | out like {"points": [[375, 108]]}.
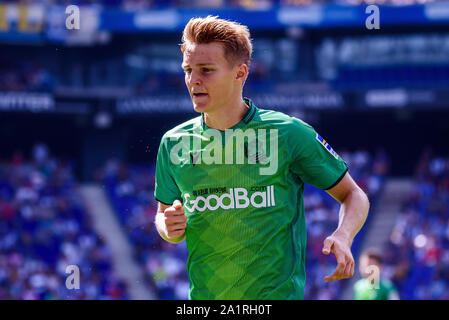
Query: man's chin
{"points": [[200, 107]]}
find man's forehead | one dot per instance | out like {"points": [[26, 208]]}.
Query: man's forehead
{"points": [[210, 53]]}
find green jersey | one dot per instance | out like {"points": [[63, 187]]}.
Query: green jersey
{"points": [[386, 290], [242, 192]]}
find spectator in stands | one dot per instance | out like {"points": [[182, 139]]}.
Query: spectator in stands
{"points": [[373, 286]]}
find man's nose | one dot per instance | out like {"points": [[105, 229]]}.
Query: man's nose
{"points": [[195, 78]]}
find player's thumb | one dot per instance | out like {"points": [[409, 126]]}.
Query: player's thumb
{"points": [[177, 204], [327, 246]]}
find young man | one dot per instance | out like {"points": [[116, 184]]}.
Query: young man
{"points": [[372, 286], [231, 181]]}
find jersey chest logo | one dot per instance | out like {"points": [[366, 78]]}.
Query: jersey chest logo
{"points": [[236, 198]]}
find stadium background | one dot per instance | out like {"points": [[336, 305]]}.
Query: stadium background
{"points": [[82, 113]]}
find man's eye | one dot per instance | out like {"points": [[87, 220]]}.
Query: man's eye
{"points": [[187, 70], [206, 70]]}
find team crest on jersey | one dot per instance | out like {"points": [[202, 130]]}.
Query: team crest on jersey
{"points": [[326, 145], [252, 155], [195, 157]]}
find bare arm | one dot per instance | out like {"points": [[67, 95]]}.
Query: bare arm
{"points": [[354, 207], [171, 222], [353, 213]]}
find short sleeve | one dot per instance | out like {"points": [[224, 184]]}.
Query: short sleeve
{"points": [[165, 190], [314, 161]]}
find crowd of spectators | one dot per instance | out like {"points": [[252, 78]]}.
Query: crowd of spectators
{"points": [[130, 189], [44, 229], [25, 76], [417, 255]]}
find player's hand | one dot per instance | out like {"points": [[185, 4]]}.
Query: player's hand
{"points": [[175, 221], [340, 246]]}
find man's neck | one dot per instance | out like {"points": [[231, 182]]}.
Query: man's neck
{"points": [[227, 117]]}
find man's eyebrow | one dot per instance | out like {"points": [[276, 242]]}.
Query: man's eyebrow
{"points": [[198, 65]]}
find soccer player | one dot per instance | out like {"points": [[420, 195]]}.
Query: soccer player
{"points": [[230, 181], [373, 286]]}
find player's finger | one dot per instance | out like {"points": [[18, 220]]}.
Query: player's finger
{"points": [[174, 211], [175, 234], [177, 204], [336, 275], [352, 268], [171, 220], [341, 262], [330, 278], [176, 226], [348, 271], [339, 270], [327, 246]]}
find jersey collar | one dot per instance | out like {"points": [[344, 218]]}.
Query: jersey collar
{"points": [[249, 115]]}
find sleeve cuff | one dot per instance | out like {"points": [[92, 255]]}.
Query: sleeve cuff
{"points": [[163, 202], [338, 180]]}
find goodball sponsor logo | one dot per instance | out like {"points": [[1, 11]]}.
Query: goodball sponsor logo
{"points": [[236, 198]]}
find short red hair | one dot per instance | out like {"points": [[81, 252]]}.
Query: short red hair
{"points": [[234, 37]]}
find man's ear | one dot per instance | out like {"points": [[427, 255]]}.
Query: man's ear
{"points": [[242, 72]]}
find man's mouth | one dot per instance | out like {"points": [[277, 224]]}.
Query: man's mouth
{"points": [[198, 94]]}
